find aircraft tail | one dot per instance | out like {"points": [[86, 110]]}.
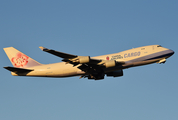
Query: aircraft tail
{"points": [[18, 59]]}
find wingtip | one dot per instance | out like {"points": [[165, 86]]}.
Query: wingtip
{"points": [[43, 48], [5, 67]]}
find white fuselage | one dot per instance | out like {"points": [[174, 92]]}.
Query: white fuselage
{"points": [[133, 57]]}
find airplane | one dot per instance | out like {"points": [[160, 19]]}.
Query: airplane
{"points": [[95, 68]]}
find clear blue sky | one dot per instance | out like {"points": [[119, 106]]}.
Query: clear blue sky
{"points": [[93, 27]]}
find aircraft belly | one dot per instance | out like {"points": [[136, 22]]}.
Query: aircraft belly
{"points": [[65, 73], [61, 72], [53, 70]]}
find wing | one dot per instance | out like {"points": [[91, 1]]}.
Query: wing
{"points": [[69, 58], [94, 68], [57, 53]]}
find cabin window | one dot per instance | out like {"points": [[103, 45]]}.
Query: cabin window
{"points": [[159, 46]]}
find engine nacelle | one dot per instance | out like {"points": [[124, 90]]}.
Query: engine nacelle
{"points": [[83, 59], [110, 63], [117, 73]]}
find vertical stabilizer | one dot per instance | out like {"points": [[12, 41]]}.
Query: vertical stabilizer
{"points": [[18, 59]]}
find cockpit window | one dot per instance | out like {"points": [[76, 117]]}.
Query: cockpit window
{"points": [[159, 46]]}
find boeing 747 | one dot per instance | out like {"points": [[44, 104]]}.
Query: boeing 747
{"points": [[86, 66]]}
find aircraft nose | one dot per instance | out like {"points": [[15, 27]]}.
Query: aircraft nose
{"points": [[171, 52]]}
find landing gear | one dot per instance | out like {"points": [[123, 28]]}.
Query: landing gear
{"points": [[162, 61], [92, 72], [97, 76]]}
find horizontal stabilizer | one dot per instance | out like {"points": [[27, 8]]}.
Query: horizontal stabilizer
{"points": [[18, 70]]}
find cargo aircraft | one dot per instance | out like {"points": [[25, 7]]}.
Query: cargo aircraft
{"points": [[85, 66]]}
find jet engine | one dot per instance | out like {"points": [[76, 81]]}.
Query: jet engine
{"points": [[110, 63], [82, 59]]}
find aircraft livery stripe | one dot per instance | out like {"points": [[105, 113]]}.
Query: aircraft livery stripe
{"points": [[152, 56]]}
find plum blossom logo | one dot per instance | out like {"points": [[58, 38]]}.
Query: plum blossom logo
{"points": [[107, 58], [20, 60]]}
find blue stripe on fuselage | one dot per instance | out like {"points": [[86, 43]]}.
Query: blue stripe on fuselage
{"points": [[157, 55]]}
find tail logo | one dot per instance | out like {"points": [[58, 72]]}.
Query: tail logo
{"points": [[20, 60]]}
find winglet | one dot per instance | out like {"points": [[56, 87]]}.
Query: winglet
{"points": [[43, 48]]}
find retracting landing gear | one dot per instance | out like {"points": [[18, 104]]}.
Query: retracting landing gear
{"points": [[97, 76], [162, 61]]}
